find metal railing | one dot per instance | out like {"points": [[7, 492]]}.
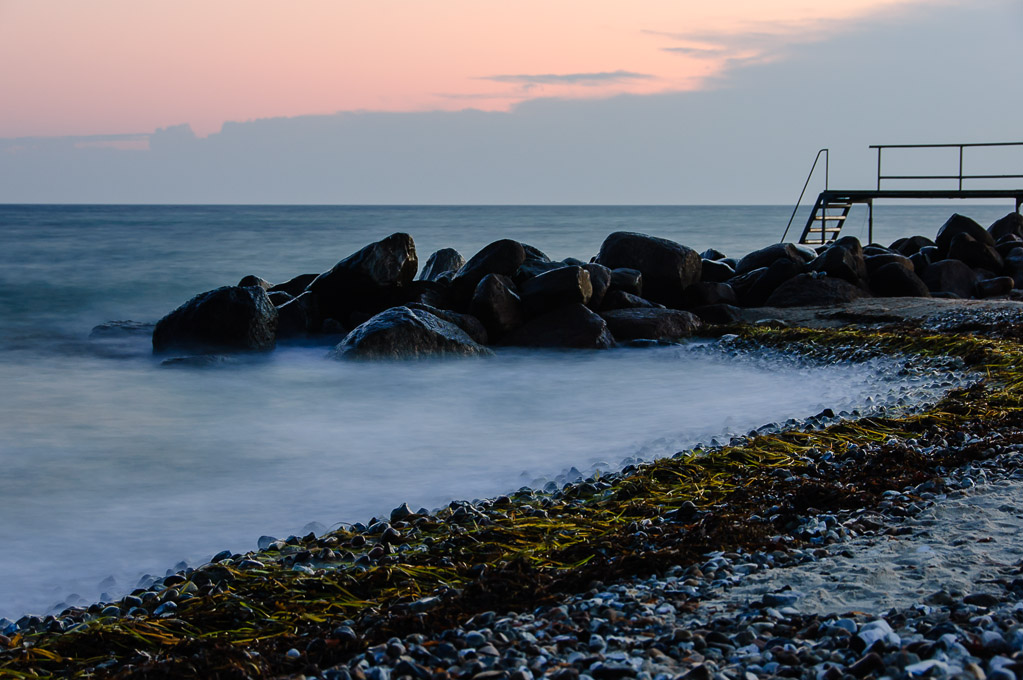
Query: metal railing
{"points": [[959, 177], [799, 200]]}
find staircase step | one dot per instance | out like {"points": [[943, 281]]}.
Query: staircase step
{"points": [[829, 218]]}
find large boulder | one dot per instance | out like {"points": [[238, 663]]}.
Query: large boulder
{"points": [[532, 268], [253, 280], [843, 259], [298, 317], [668, 268], [472, 326], [556, 288], [703, 294], [1010, 224], [913, 244], [232, 318], [995, 287], [875, 262], [808, 290], [950, 276], [600, 282], [715, 271], [500, 257], [496, 304], [627, 280], [368, 281], [573, 326], [1014, 266], [960, 224], [894, 279], [975, 253], [765, 256], [651, 324], [753, 289], [407, 333], [444, 260]]}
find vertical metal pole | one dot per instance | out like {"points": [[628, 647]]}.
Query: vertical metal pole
{"points": [[870, 220], [960, 167], [827, 168], [878, 168]]}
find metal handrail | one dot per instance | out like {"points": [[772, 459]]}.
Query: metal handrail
{"points": [[806, 184], [960, 177]]}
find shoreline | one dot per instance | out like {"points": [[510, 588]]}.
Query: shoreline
{"points": [[315, 602]]}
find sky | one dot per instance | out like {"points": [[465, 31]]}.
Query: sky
{"points": [[487, 101]]}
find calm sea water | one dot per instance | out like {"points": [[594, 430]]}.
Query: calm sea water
{"points": [[112, 467]]}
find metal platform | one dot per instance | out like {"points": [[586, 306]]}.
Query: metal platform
{"points": [[833, 205]]}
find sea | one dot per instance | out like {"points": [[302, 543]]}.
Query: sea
{"points": [[115, 468]]}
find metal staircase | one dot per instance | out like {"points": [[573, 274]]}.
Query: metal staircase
{"points": [[825, 223]]}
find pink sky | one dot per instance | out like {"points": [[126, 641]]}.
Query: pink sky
{"points": [[124, 66]]}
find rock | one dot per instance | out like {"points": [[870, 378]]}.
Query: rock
{"points": [[808, 290], [755, 291], [765, 256], [572, 326], [1011, 224], [616, 299], [497, 305], [368, 281], [500, 257], [713, 271], [950, 276], [719, 314], [600, 281], [967, 249], [913, 244], [1001, 285], [432, 293], [896, 280], [444, 260], [1007, 244], [556, 288], [958, 224], [668, 268], [843, 259], [651, 324], [298, 317], [253, 280], [406, 333], [231, 318], [703, 294], [532, 268], [279, 297], [712, 254], [296, 286], [920, 263], [1014, 266], [472, 326], [537, 254], [874, 262], [627, 280]]}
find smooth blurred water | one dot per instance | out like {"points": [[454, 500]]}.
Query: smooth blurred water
{"points": [[112, 466]]}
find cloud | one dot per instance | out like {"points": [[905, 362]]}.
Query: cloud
{"points": [[697, 52], [586, 79]]}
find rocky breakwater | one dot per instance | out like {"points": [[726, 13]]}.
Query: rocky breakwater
{"points": [[637, 288]]}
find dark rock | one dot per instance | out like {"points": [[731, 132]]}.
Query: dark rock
{"points": [[627, 280], [536, 254], [500, 257], [444, 260], [1014, 266], [703, 294], [756, 291], [572, 326], [950, 276], [600, 282], [896, 280], [298, 317], [867, 664], [959, 224], [367, 281], [1011, 224], [920, 262], [712, 254], [556, 288], [872, 249], [651, 324], [279, 297], [497, 305], [986, 600], [875, 262], [1000, 285], [974, 253], [574, 262], [714, 271], [808, 290], [472, 326], [1007, 243], [765, 256], [228, 319], [405, 333], [719, 314], [295, 286], [913, 244], [253, 280], [532, 268], [617, 299], [843, 259], [432, 293], [668, 268]]}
